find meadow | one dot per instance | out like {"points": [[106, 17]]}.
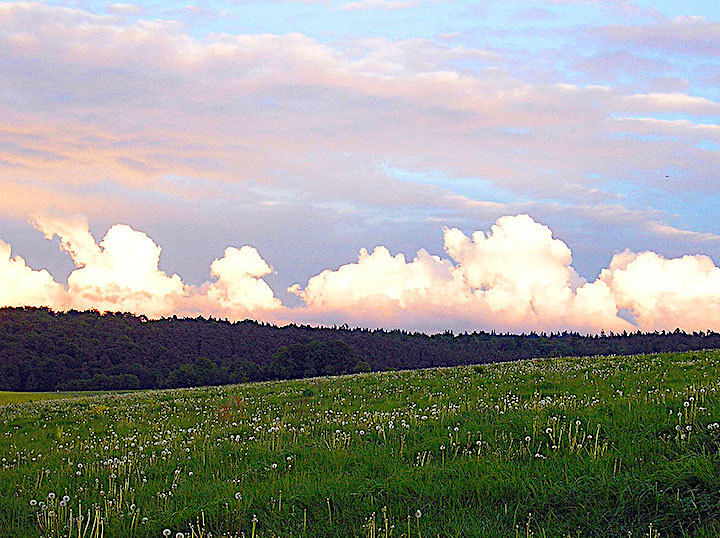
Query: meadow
{"points": [[595, 446], [7, 397]]}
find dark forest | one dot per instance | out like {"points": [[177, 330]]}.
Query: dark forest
{"points": [[43, 350]]}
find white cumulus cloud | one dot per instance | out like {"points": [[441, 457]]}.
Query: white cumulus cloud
{"points": [[666, 294], [516, 277], [239, 284], [122, 273], [21, 285]]}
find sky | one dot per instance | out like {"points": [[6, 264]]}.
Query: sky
{"points": [[428, 165]]}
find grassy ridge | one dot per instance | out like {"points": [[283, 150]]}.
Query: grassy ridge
{"points": [[561, 447]]}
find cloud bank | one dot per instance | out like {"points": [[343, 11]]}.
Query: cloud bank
{"points": [[161, 117], [116, 100], [516, 277]]}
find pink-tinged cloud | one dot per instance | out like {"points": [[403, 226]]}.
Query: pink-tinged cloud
{"points": [[122, 273], [687, 35], [239, 285], [665, 294], [377, 4], [21, 285], [672, 102], [124, 9], [132, 94], [516, 277], [381, 280]]}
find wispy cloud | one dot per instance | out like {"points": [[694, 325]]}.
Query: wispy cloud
{"points": [[378, 4]]}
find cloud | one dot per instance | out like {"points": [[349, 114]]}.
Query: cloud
{"points": [[74, 235], [239, 285], [377, 4], [672, 102], [687, 235], [119, 101], [21, 285], [665, 294], [122, 273], [685, 35], [380, 280], [291, 129], [517, 277], [124, 9]]}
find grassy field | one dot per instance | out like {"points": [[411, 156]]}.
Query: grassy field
{"points": [[22, 397], [620, 446]]}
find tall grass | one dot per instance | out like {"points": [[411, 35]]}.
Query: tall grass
{"points": [[22, 397], [619, 446]]}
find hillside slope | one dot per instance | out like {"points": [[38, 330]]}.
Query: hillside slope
{"points": [[551, 447]]}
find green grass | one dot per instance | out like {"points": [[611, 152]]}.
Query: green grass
{"points": [[22, 397], [620, 446]]}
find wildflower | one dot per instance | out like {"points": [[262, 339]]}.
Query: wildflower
{"points": [[418, 514]]}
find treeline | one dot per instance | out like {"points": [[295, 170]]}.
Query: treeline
{"points": [[42, 350]]}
